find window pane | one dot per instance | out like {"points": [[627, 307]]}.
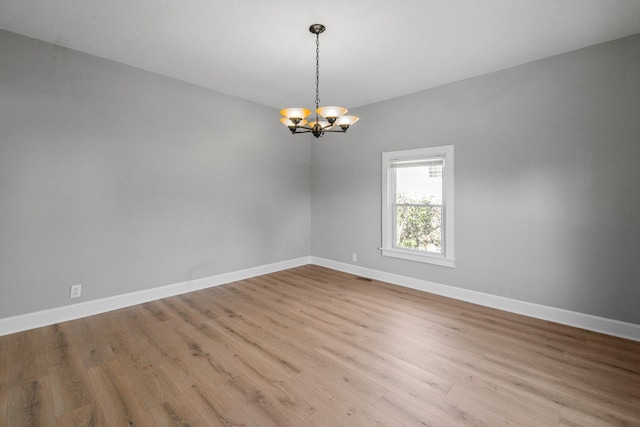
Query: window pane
{"points": [[420, 184], [419, 227]]}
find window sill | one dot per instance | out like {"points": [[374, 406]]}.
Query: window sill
{"points": [[419, 257]]}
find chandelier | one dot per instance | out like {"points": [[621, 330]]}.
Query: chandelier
{"points": [[335, 119]]}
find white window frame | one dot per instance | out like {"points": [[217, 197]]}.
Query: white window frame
{"points": [[447, 257]]}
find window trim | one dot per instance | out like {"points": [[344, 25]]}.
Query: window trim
{"points": [[447, 258]]}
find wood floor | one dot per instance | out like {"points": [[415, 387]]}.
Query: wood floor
{"points": [[315, 347]]}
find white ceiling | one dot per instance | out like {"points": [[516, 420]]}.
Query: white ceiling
{"points": [[372, 50]]}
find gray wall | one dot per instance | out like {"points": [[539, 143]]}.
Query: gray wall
{"points": [[547, 181], [123, 180]]}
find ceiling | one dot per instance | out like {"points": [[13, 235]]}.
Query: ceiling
{"points": [[372, 50]]}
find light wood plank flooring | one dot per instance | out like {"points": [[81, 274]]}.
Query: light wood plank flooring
{"points": [[315, 347]]}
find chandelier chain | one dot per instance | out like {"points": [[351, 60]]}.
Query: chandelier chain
{"points": [[317, 71]]}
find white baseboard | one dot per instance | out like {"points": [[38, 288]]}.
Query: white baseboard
{"points": [[580, 320], [38, 319]]}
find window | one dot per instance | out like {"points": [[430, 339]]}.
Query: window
{"points": [[417, 205]]}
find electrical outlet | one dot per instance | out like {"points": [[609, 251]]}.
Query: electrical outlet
{"points": [[76, 291], [354, 257]]}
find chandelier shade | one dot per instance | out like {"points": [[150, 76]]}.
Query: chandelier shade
{"points": [[295, 113], [345, 121], [331, 113], [322, 123], [291, 124], [335, 119]]}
